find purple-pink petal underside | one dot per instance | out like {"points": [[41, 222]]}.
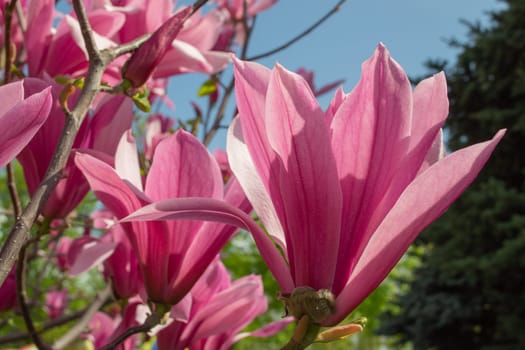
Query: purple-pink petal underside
{"points": [[210, 209], [20, 123], [245, 171], [308, 183], [424, 200]]}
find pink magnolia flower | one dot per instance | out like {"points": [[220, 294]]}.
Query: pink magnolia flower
{"points": [[308, 75], [56, 302], [112, 116], [157, 128], [145, 60], [8, 292], [342, 192], [236, 7], [24, 107], [122, 267], [172, 255], [102, 328], [345, 192], [220, 310], [61, 50]]}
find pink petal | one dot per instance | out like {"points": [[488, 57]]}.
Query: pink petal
{"points": [[425, 199], [308, 184], [370, 133], [127, 162], [107, 185], [38, 34], [20, 123], [242, 165], [210, 209], [91, 255], [11, 94]]}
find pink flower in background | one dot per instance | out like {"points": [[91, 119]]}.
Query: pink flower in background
{"points": [[308, 75], [236, 7], [122, 267], [157, 128], [345, 192], [56, 302], [146, 59], [8, 292], [24, 108], [61, 50], [220, 310], [172, 255], [112, 116]]}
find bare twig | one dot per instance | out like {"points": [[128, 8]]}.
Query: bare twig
{"points": [[80, 327], [18, 336], [301, 35], [20, 232], [22, 298], [210, 134], [11, 185], [8, 19], [151, 321]]}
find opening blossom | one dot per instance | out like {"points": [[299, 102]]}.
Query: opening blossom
{"points": [[342, 192]]}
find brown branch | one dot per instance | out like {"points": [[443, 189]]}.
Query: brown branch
{"points": [[87, 315], [20, 232], [18, 336], [151, 321], [8, 19], [22, 298], [11, 185], [301, 35]]}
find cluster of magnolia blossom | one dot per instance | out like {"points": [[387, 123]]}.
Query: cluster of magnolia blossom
{"points": [[341, 192]]}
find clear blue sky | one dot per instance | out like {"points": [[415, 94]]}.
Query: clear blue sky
{"points": [[413, 31]]}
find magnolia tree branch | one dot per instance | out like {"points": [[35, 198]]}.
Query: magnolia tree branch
{"points": [[20, 232], [210, 134], [18, 336], [71, 335], [301, 35], [22, 297]]}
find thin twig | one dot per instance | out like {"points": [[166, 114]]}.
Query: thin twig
{"points": [[151, 321], [80, 327], [20, 232], [18, 336], [22, 298], [11, 185], [210, 134], [8, 19], [301, 35]]}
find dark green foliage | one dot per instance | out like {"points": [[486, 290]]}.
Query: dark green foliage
{"points": [[469, 292]]}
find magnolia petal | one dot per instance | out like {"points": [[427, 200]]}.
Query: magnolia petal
{"points": [[11, 94], [251, 85], [20, 123], [183, 167], [210, 209], [425, 199], [109, 188], [38, 34], [127, 161], [244, 169], [308, 185], [370, 133], [90, 255]]}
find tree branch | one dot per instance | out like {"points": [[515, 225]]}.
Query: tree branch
{"points": [[301, 35], [80, 327]]}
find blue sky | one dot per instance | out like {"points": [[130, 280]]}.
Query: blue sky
{"points": [[413, 31]]}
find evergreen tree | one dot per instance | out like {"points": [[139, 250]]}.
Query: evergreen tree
{"points": [[469, 292]]}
